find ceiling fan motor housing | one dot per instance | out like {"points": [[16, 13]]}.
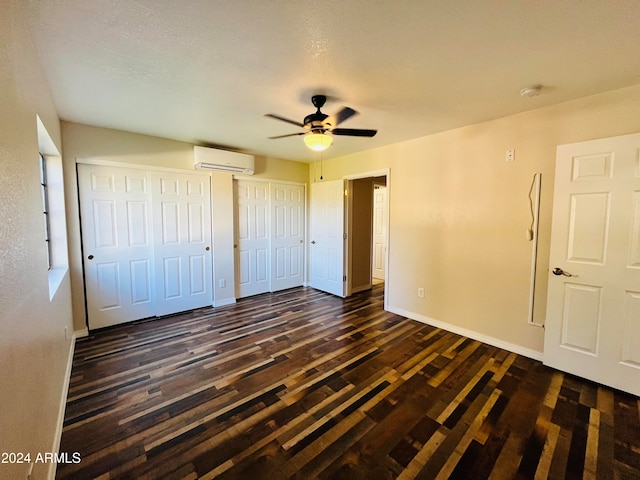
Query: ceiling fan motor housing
{"points": [[317, 121]]}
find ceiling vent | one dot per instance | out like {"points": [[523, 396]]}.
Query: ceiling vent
{"points": [[223, 160]]}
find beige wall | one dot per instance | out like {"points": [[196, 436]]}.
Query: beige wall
{"points": [[459, 213], [84, 142], [223, 237], [361, 231], [34, 352]]}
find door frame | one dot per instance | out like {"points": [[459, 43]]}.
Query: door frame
{"points": [[385, 172]]}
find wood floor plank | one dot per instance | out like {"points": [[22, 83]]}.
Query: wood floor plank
{"points": [[301, 384]]}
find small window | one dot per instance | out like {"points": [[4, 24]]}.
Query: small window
{"points": [[45, 209], [53, 210]]}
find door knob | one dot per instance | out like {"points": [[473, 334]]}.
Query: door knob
{"points": [[559, 271], [207, 249], [313, 242], [90, 257]]}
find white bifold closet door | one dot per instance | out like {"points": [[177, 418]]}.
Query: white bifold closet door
{"points": [[252, 238], [146, 240], [269, 236], [182, 241], [287, 236]]}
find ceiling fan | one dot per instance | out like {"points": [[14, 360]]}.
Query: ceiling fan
{"points": [[319, 126]]}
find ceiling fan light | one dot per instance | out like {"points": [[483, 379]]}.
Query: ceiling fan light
{"points": [[318, 142]]}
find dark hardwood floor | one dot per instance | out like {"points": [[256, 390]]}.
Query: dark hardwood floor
{"points": [[301, 384]]}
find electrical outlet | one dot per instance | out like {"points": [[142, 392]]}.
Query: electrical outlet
{"points": [[420, 292], [66, 334], [510, 155], [222, 283]]}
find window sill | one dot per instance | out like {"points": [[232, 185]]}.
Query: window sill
{"points": [[55, 280]]}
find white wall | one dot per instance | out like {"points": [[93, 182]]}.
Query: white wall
{"points": [[34, 351], [459, 214]]}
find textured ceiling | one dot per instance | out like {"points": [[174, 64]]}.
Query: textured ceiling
{"points": [[206, 72]]}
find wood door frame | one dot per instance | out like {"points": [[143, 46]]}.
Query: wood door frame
{"points": [[348, 213]]}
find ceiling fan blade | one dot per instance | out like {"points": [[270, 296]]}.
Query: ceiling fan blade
{"points": [[341, 116], [282, 119], [354, 132], [288, 135]]}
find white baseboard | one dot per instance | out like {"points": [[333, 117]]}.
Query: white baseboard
{"points": [[224, 302], [51, 474], [495, 342], [83, 333]]}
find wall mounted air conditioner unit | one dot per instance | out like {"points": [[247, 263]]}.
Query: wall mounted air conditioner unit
{"points": [[223, 160]]}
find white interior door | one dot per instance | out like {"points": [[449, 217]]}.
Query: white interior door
{"points": [[287, 236], [117, 244], [252, 237], [593, 308], [182, 243], [327, 237], [379, 231]]}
